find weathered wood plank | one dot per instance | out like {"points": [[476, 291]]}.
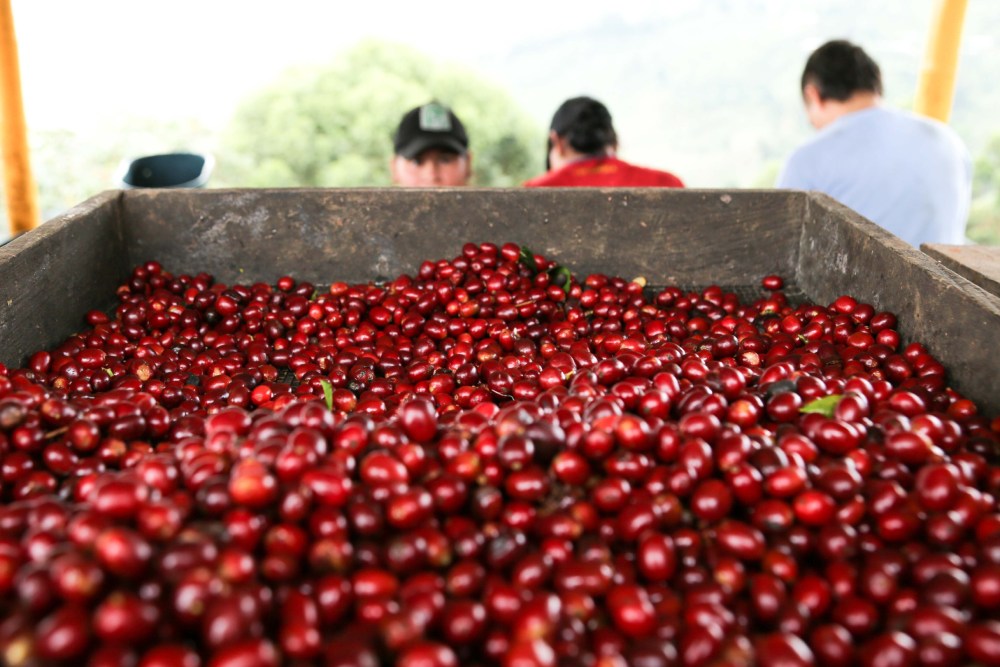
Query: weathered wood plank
{"points": [[50, 277], [357, 235], [843, 253], [980, 264]]}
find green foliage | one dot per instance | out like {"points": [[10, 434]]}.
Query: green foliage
{"points": [[768, 176], [984, 218], [824, 406], [327, 393], [332, 126], [986, 175]]}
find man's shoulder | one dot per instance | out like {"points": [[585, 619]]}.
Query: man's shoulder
{"points": [[929, 127], [852, 133], [536, 182], [605, 172], [548, 179], [944, 131], [657, 177], [929, 136]]}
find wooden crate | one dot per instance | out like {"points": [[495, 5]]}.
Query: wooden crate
{"points": [[979, 264], [50, 277]]}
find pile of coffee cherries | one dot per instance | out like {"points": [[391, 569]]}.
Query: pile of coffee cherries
{"points": [[492, 462]]}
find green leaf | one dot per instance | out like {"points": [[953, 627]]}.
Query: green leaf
{"points": [[825, 406], [327, 393], [561, 276], [528, 259]]}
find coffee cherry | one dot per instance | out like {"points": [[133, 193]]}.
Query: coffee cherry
{"points": [[772, 283], [418, 419], [783, 649], [63, 635], [123, 552], [711, 501], [125, 619], [491, 461], [426, 653], [253, 653], [631, 610]]}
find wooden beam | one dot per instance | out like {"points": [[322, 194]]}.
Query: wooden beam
{"points": [[936, 88], [19, 184], [978, 263]]}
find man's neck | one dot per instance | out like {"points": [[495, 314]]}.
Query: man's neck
{"points": [[572, 157], [860, 101], [856, 102]]}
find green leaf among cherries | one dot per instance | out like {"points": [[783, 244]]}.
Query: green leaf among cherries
{"points": [[327, 393], [561, 276], [528, 259], [825, 406]]}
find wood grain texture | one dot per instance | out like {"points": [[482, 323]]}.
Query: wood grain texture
{"points": [[51, 276], [843, 253], [360, 235], [976, 263]]}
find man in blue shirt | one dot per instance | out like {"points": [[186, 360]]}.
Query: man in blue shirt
{"points": [[909, 174]]}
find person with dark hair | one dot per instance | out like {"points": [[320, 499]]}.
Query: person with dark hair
{"points": [[581, 152], [909, 174], [431, 149]]}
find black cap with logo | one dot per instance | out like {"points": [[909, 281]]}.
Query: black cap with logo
{"points": [[432, 125]]}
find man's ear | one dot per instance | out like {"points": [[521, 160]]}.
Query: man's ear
{"points": [[818, 110], [394, 169], [811, 95], [558, 143]]}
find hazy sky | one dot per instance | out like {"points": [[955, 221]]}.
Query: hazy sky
{"points": [[81, 61], [102, 63], [85, 61]]}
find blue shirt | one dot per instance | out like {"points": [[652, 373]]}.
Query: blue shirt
{"points": [[909, 174]]}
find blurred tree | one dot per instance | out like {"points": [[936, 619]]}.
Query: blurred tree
{"points": [[332, 125], [768, 176], [986, 174], [984, 218]]}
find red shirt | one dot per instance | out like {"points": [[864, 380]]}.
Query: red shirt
{"points": [[605, 172]]}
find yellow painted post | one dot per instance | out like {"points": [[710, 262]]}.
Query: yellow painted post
{"points": [[19, 184], [936, 88]]}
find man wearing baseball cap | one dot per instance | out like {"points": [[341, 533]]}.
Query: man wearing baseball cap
{"points": [[431, 149]]}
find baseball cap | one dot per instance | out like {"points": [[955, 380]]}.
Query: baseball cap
{"points": [[432, 125]]}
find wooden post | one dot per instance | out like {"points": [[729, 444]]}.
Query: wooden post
{"points": [[19, 185], [936, 88]]}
